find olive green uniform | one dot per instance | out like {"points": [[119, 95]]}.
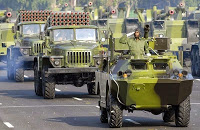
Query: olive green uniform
{"points": [[137, 47]]}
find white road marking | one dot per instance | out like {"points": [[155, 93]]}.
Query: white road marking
{"points": [[195, 103], [77, 99], [97, 107], [58, 90], [38, 106], [132, 121], [0, 103], [25, 76], [8, 125], [197, 79]]}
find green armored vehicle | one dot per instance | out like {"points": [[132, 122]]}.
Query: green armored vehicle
{"points": [[28, 29], [7, 36], [69, 57], [156, 83]]}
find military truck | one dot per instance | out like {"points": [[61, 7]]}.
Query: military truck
{"points": [[69, 57], [156, 84], [28, 27], [6, 34]]}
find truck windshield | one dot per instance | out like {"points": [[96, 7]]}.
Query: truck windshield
{"points": [[63, 34], [158, 24], [86, 34], [31, 29]]}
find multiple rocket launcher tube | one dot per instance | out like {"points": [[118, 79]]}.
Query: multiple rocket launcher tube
{"points": [[56, 18]]}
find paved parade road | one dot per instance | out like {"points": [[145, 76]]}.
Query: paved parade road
{"points": [[73, 109]]}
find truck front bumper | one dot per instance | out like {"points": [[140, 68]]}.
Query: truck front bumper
{"points": [[72, 70]]}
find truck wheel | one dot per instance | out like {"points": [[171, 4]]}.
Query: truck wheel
{"points": [[19, 75], [48, 86], [197, 63], [115, 113], [37, 82], [169, 116], [103, 115], [91, 88], [182, 113], [10, 72], [193, 61]]}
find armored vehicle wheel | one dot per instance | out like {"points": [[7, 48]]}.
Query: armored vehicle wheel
{"points": [[48, 86], [197, 63], [182, 113], [37, 82], [91, 88], [103, 115], [19, 74], [115, 113], [193, 61], [169, 116]]}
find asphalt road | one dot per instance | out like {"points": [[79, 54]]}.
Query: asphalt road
{"points": [[72, 109]]}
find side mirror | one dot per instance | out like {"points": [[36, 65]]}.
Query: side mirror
{"points": [[13, 29], [47, 40]]}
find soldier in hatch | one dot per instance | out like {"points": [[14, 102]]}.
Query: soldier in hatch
{"points": [[138, 47]]}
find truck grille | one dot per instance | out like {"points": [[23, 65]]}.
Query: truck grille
{"points": [[78, 57], [38, 48]]}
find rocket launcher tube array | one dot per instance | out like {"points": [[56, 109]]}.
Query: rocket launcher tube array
{"points": [[34, 15], [59, 19]]}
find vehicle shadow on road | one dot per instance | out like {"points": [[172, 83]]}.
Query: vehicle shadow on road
{"points": [[30, 94], [5, 79], [25, 94], [70, 94], [94, 121]]}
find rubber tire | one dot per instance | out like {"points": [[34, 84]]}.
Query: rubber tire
{"points": [[37, 82], [182, 113], [103, 115], [48, 86], [10, 71], [193, 61], [91, 88], [19, 74], [169, 116], [115, 114], [197, 63]]}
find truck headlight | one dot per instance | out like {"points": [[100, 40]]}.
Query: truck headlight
{"points": [[161, 35], [25, 51], [57, 62]]}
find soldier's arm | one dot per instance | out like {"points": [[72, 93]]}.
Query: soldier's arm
{"points": [[123, 39]]}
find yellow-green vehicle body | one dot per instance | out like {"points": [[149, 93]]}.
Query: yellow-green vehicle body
{"points": [[6, 39], [6, 34], [148, 87]]}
